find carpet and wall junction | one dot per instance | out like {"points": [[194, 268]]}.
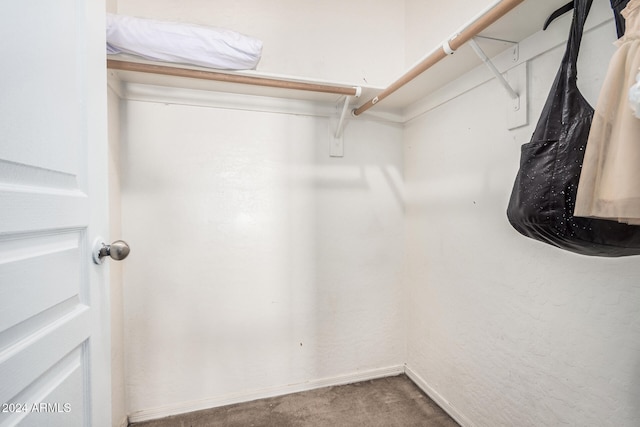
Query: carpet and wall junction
{"points": [[385, 402]]}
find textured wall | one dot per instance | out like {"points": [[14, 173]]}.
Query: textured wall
{"points": [[287, 261], [506, 330], [258, 260]]}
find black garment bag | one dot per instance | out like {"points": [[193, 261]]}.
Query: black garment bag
{"points": [[616, 5], [543, 197]]}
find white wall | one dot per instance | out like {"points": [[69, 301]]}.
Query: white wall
{"points": [[355, 41], [257, 261], [118, 399], [504, 330], [259, 265]]}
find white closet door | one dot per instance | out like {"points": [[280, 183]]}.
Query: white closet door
{"points": [[54, 334]]}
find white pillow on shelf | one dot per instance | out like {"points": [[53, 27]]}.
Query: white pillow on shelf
{"points": [[182, 43]]}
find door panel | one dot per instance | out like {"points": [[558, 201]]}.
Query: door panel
{"points": [[61, 383], [43, 46], [54, 359], [34, 262]]}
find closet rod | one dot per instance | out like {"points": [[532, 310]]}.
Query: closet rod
{"points": [[229, 78], [450, 45]]}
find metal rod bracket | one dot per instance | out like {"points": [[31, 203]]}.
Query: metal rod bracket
{"points": [[505, 84], [336, 143], [517, 112]]}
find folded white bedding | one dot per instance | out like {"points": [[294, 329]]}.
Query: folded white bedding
{"points": [[182, 43]]}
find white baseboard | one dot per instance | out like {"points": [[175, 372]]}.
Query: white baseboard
{"points": [[185, 407], [436, 397]]}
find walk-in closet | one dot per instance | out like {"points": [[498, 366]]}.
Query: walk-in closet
{"points": [[263, 264], [335, 214]]}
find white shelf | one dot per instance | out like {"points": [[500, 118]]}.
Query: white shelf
{"points": [[523, 21], [126, 77]]}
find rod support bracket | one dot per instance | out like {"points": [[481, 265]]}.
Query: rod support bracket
{"points": [[483, 56], [517, 109], [336, 142]]}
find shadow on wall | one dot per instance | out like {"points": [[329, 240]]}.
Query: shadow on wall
{"points": [[345, 217], [284, 264]]}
